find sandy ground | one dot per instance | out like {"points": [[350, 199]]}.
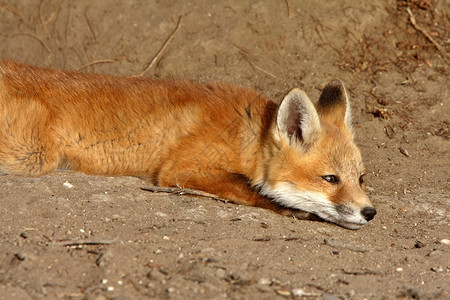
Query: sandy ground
{"points": [[74, 236]]}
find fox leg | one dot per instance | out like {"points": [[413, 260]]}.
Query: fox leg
{"points": [[25, 144], [22, 157], [233, 187]]}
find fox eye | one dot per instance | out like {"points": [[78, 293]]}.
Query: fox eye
{"points": [[331, 179]]}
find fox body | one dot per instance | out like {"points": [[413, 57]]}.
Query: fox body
{"points": [[294, 158]]}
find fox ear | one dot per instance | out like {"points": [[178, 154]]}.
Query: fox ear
{"points": [[297, 117], [333, 105]]}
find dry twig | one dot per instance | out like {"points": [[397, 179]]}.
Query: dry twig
{"points": [[180, 191], [412, 19], [161, 50]]}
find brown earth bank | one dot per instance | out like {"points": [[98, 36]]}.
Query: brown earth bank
{"points": [[74, 236]]}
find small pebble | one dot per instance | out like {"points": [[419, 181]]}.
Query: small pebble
{"points": [[68, 185], [437, 269], [419, 244], [286, 293], [264, 281], [110, 288], [298, 292], [445, 241], [209, 249], [399, 269], [220, 273]]}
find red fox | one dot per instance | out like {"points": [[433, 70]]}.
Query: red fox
{"points": [[296, 158]]}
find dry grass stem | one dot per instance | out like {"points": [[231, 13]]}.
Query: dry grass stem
{"points": [[163, 47], [288, 8], [100, 61], [412, 19]]}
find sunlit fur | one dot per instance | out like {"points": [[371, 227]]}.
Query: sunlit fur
{"points": [[222, 139]]}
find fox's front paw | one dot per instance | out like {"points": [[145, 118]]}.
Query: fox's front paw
{"points": [[300, 214]]}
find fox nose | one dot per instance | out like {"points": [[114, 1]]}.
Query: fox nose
{"points": [[368, 212]]}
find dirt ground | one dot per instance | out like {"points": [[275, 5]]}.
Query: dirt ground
{"points": [[74, 236]]}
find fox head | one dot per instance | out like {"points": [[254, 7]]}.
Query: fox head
{"points": [[314, 164]]}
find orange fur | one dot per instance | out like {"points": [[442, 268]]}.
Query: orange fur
{"points": [[218, 138]]}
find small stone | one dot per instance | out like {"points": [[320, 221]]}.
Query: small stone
{"points": [[298, 292], [104, 281], [19, 256], [166, 238], [264, 281], [68, 185], [110, 288], [220, 273], [209, 249], [419, 244], [237, 277], [399, 269], [445, 241], [437, 269], [286, 293]]}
